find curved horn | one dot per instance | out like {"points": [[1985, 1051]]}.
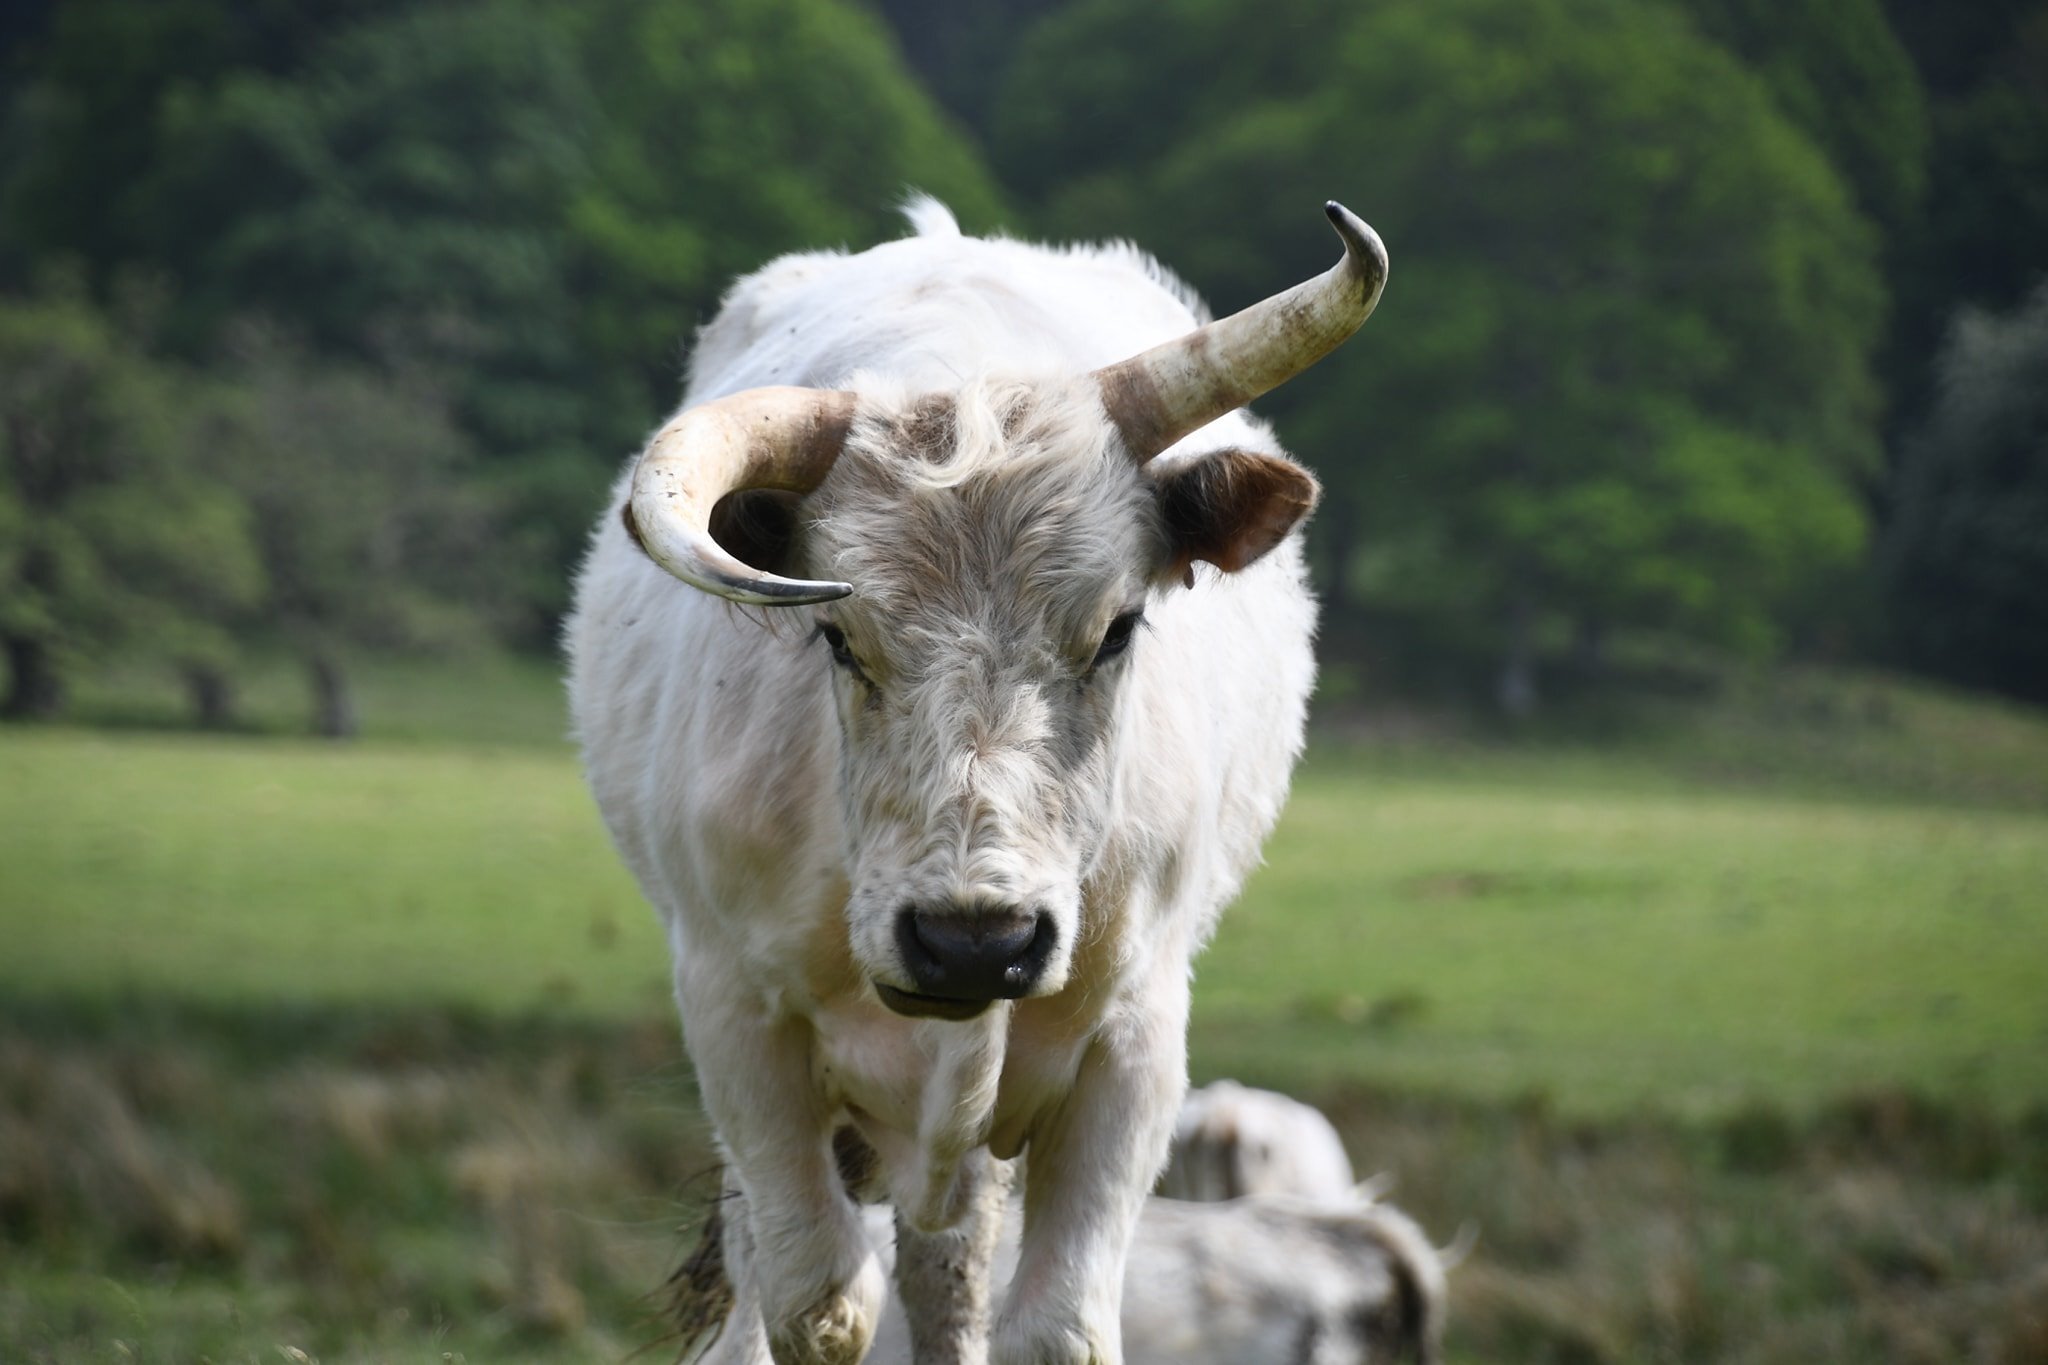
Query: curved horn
{"points": [[784, 438], [1158, 396]]}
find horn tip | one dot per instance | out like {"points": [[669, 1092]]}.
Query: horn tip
{"points": [[1361, 243], [769, 591]]}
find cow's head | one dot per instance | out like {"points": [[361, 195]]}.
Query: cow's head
{"points": [[992, 551]]}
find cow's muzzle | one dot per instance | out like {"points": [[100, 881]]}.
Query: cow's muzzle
{"points": [[961, 961]]}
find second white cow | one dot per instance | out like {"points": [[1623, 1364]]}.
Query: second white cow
{"points": [[1234, 1140]]}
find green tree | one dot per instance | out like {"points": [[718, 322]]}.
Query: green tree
{"points": [[733, 131], [1967, 551], [370, 534], [1100, 90], [402, 200], [1842, 75], [108, 537], [730, 131], [103, 87], [525, 205], [1620, 377]]}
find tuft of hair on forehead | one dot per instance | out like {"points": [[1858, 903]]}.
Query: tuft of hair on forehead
{"points": [[1001, 481], [1022, 429], [990, 425]]}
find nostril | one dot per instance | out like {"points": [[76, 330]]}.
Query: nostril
{"points": [[1029, 964], [917, 954], [977, 954]]}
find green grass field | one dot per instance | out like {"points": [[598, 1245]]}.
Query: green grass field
{"points": [[247, 870], [1607, 936], [1615, 947], [364, 1052]]}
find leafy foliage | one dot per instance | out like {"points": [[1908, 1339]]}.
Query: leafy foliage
{"points": [[1622, 385], [526, 205], [1842, 75], [733, 132], [368, 531], [1601, 226], [109, 536]]}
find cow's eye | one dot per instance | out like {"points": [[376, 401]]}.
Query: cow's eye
{"points": [[835, 640], [1117, 638]]}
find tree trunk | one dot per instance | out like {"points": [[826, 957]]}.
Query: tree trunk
{"points": [[335, 707], [1515, 689], [34, 689], [213, 697]]}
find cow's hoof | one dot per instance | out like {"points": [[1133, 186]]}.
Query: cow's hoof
{"points": [[835, 1330], [1058, 1346]]}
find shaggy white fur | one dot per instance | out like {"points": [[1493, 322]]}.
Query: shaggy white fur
{"points": [[780, 810]]}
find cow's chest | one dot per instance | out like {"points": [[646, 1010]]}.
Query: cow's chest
{"points": [[889, 1071]]}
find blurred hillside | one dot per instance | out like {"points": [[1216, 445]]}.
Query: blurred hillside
{"points": [[1717, 331]]}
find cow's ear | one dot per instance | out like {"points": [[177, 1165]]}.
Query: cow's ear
{"points": [[1229, 507]]}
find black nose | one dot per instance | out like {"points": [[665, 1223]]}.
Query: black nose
{"points": [[957, 953]]}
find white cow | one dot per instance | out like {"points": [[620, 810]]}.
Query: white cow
{"points": [[936, 835], [1232, 1140], [1262, 1280]]}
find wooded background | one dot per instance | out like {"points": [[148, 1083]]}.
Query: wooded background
{"points": [[1717, 329]]}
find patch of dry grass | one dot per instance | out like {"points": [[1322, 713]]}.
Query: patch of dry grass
{"points": [[189, 1194], [1887, 1228], [178, 1184]]}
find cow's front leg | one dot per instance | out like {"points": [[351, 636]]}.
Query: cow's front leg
{"points": [[1088, 1169], [943, 1278], [808, 1264]]}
